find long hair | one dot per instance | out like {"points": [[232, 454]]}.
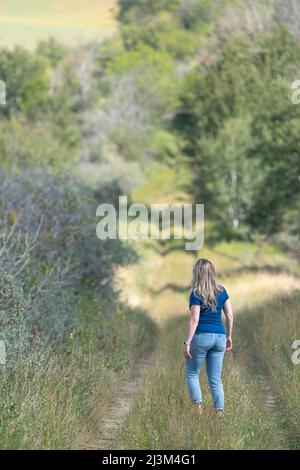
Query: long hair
{"points": [[204, 282]]}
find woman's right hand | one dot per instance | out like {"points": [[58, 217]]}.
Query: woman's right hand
{"points": [[228, 343], [187, 353]]}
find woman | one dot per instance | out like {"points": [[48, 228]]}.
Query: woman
{"points": [[206, 335]]}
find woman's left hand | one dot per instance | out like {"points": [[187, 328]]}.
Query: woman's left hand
{"points": [[187, 353]]}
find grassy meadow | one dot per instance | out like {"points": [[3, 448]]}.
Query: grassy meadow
{"points": [[69, 22], [56, 400], [263, 282], [264, 288]]}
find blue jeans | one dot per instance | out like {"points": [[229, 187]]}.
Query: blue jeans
{"points": [[212, 347]]}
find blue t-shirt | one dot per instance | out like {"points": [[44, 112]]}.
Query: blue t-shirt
{"points": [[210, 320]]}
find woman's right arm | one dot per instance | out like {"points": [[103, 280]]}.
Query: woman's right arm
{"points": [[192, 326], [229, 323]]}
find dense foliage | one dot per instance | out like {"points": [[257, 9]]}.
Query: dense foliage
{"points": [[232, 65]]}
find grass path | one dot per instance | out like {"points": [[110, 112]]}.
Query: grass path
{"points": [[260, 389], [158, 284], [270, 331], [121, 405]]}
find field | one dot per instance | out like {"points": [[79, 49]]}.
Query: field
{"points": [[70, 22], [261, 383]]}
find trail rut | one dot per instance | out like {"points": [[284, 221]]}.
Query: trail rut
{"points": [[121, 405]]}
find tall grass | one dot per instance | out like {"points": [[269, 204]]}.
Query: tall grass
{"points": [[269, 333], [55, 398], [163, 418]]}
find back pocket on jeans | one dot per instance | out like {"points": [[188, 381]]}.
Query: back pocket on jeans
{"points": [[222, 341]]}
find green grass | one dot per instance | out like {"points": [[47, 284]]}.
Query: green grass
{"points": [[70, 22], [56, 398], [231, 257], [162, 417], [271, 331], [163, 184]]}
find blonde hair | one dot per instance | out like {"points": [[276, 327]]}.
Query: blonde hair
{"points": [[204, 281]]}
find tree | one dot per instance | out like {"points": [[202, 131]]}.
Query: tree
{"points": [[26, 80], [240, 127]]}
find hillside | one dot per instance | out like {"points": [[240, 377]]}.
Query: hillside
{"points": [[71, 22]]}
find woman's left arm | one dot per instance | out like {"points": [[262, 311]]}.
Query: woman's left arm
{"points": [[192, 325]]}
